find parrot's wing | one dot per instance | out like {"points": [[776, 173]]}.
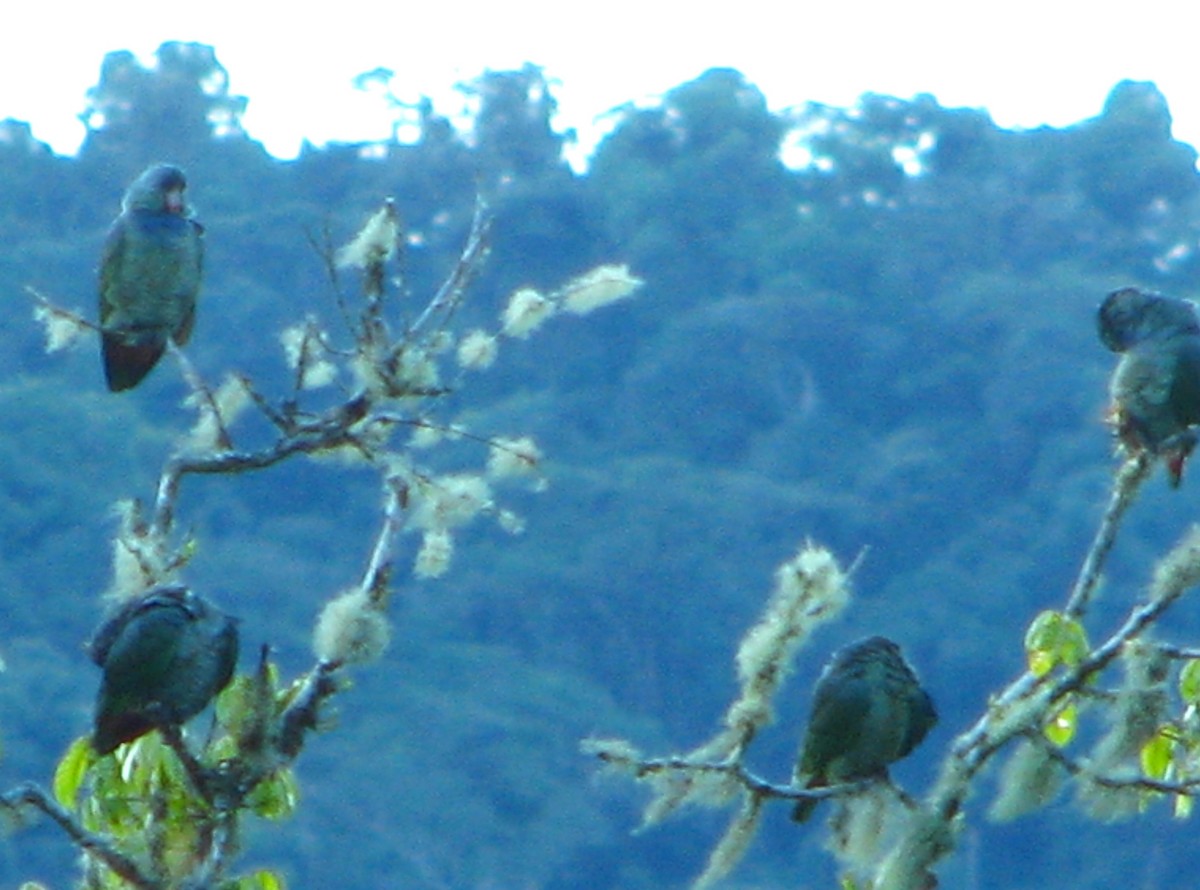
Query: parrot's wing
{"points": [[144, 651], [226, 647], [204, 664], [922, 717], [110, 268], [1185, 388], [841, 705], [138, 666], [183, 332], [127, 358], [1141, 395]]}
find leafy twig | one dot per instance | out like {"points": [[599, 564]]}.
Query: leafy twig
{"points": [[31, 795], [1136, 783], [1023, 706]]}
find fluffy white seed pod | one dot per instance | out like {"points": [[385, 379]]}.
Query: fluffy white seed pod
{"points": [[526, 311], [1030, 780], [864, 825], [136, 563], [477, 351], [599, 287], [426, 435], [733, 845], [513, 458], [302, 347], [448, 501], [433, 559], [352, 629], [511, 522], [219, 411], [375, 242], [63, 329], [810, 589]]}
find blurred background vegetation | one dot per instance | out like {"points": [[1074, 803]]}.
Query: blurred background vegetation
{"points": [[873, 326]]}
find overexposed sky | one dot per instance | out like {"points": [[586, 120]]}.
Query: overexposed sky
{"points": [[1028, 62]]}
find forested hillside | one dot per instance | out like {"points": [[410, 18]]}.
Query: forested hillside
{"points": [[886, 344]]}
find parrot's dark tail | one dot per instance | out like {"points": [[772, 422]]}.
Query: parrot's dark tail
{"points": [[803, 809], [115, 730], [126, 364]]}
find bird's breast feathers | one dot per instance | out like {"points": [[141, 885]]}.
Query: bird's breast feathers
{"points": [[151, 272]]}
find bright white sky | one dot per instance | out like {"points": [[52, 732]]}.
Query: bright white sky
{"points": [[1028, 62]]}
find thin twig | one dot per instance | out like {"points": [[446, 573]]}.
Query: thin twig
{"points": [[1128, 481], [49, 305], [1183, 653], [202, 392], [303, 714], [374, 581], [327, 252], [464, 272], [1133, 783], [753, 783]]}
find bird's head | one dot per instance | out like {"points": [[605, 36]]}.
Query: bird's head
{"points": [[160, 188], [1129, 316]]}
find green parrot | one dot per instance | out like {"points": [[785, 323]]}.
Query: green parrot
{"points": [[149, 276], [868, 711], [1155, 388], [165, 656]]}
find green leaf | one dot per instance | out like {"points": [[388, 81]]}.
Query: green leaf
{"points": [[1054, 639], [72, 770], [239, 706], [141, 761], [1040, 662], [1157, 755], [188, 550], [1183, 806], [223, 748], [233, 703], [262, 880], [1189, 683], [1061, 728], [276, 796]]}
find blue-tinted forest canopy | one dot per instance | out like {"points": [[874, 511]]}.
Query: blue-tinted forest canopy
{"points": [[887, 346]]}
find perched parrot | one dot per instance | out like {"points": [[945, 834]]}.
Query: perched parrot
{"points": [[868, 711], [149, 276], [1155, 388], [165, 656]]}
